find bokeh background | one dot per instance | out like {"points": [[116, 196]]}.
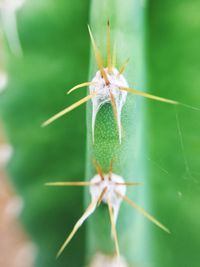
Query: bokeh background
{"points": [[44, 50]]}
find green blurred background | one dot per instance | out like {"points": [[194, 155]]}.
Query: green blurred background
{"points": [[55, 44]]}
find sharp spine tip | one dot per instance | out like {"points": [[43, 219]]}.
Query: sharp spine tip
{"points": [[43, 124]]}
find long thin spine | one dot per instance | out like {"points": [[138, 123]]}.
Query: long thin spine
{"points": [[68, 109], [123, 67], [129, 183], [157, 98], [142, 211], [113, 227], [116, 115], [81, 183], [85, 215], [102, 195], [109, 58], [98, 169], [79, 86], [98, 57]]}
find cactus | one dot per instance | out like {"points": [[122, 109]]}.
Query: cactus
{"points": [[116, 134], [110, 138]]}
